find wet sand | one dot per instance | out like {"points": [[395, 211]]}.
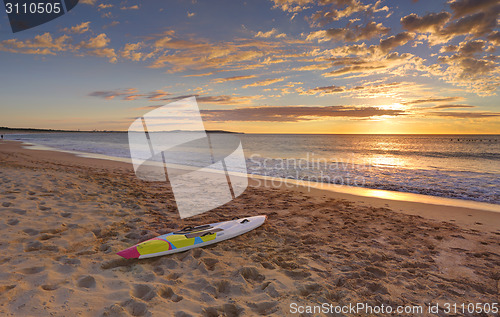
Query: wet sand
{"points": [[64, 217]]}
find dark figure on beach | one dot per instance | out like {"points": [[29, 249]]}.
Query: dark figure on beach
{"points": [[2, 136]]}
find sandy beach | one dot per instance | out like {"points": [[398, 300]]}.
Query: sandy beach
{"points": [[64, 218]]}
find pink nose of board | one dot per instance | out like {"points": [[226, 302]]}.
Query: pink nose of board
{"points": [[130, 253]]}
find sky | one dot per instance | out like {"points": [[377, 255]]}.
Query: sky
{"points": [[260, 66]]}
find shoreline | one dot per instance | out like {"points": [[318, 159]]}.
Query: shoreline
{"points": [[424, 186], [65, 217], [464, 212]]}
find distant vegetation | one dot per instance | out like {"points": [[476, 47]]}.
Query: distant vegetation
{"points": [[32, 130]]}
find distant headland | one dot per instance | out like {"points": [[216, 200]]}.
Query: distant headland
{"points": [[6, 130]]}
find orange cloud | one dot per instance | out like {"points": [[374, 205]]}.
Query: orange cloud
{"points": [[41, 45], [233, 78], [349, 34], [295, 113], [265, 82], [78, 29]]}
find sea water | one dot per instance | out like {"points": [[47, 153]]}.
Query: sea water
{"points": [[453, 166]]}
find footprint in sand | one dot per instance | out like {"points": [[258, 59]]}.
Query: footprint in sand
{"points": [[167, 293], [31, 232], [6, 204], [33, 270], [251, 274], [169, 263], [65, 260], [135, 308], [264, 308], [114, 310], [49, 287], [158, 271], [13, 222], [144, 292], [210, 263], [309, 289], [222, 287], [18, 211], [46, 236], [33, 246], [270, 289], [225, 310], [118, 263], [378, 273], [86, 282], [6, 288]]}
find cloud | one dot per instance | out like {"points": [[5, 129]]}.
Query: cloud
{"points": [[227, 100], [477, 24], [365, 91], [103, 6], [465, 115], [220, 99], [131, 51], [199, 75], [112, 94], [179, 54], [480, 75], [100, 41], [394, 41], [265, 82], [364, 67], [448, 48], [432, 100], [471, 47], [494, 38], [349, 34], [134, 7], [98, 46], [313, 67], [157, 95], [325, 90], [104, 52], [267, 34], [129, 94], [441, 28], [292, 5], [452, 106], [78, 29], [295, 113], [233, 78], [461, 8], [339, 9], [431, 22], [43, 44]]}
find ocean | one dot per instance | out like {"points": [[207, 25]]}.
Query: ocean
{"points": [[453, 166]]}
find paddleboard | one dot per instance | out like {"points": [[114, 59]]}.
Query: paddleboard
{"points": [[192, 237]]}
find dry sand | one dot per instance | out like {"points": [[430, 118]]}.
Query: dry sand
{"points": [[64, 217]]}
